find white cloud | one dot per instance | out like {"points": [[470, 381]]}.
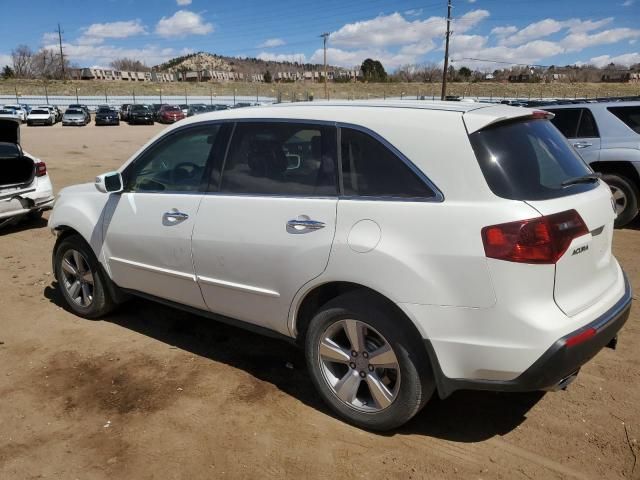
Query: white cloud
{"points": [[49, 37], [579, 41], [394, 29], [533, 31], [579, 26], [503, 31], [282, 57], [183, 3], [471, 1], [123, 29], [624, 59], [183, 23], [414, 12], [272, 42], [105, 54], [528, 53], [627, 3], [5, 60]]}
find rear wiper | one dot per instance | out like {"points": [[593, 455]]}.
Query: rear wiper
{"points": [[588, 178]]}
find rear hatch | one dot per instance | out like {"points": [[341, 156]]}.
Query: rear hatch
{"points": [[16, 170], [528, 159]]}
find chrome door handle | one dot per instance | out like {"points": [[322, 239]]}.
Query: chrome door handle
{"points": [[582, 144], [174, 216], [304, 225]]}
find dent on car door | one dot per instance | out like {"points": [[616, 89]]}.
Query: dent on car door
{"points": [[148, 227], [267, 227]]}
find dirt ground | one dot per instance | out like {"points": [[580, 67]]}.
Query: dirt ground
{"points": [[152, 392]]}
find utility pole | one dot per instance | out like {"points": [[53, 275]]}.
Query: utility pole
{"points": [[324, 43], [443, 95], [61, 54]]}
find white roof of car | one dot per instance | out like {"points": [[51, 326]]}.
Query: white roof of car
{"points": [[476, 115]]}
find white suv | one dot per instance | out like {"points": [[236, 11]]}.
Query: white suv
{"points": [[408, 247]]}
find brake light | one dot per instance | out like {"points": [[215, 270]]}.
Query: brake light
{"points": [[41, 169], [538, 240], [580, 338]]}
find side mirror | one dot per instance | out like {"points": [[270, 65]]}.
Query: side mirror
{"points": [[110, 182]]}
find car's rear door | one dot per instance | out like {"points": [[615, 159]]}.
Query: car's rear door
{"points": [[147, 228], [267, 227], [580, 128]]}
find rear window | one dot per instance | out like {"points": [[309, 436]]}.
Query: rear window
{"points": [[629, 115], [528, 160]]}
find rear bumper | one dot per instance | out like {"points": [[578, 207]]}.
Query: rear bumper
{"points": [[559, 363]]}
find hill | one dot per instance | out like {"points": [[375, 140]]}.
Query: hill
{"points": [[208, 61]]}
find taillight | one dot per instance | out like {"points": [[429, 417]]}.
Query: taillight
{"points": [[538, 240], [41, 169]]}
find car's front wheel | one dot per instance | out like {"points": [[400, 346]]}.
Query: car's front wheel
{"points": [[81, 281], [366, 364]]}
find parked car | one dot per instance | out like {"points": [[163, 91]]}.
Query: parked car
{"points": [[105, 115], [155, 108], [84, 108], [22, 112], [54, 111], [40, 116], [123, 111], [185, 109], [74, 116], [25, 186], [10, 113], [607, 137], [140, 114], [339, 227], [169, 114], [196, 109]]}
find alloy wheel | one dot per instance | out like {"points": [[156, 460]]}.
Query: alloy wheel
{"points": [[77, 278], [619, 199], [359, 365]]}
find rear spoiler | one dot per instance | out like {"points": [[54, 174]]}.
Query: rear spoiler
{"points": [[481, 118]]}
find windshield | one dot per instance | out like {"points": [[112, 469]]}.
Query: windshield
{"points": [[172, 109], [528, 160], [40, 112], [74, 112], [104, 110], [139, 108]]}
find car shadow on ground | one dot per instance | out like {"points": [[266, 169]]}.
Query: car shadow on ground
{"points": [[22, 225], [466, 416]]}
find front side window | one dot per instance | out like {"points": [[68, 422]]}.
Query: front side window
{"points": [[273, 158], [370, 169], [175, 164]]}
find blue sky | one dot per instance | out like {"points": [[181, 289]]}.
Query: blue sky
{"points": [[400, 32]]}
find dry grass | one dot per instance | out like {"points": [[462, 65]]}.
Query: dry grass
{"points": [[302, 90]]}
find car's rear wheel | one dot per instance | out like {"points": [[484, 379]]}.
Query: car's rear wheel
{"points": [[626, 198], [365, 364], [81, 281]]}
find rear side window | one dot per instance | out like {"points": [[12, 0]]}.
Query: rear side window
{"points": [[370, 169], [587, 127], [272, 158], [629, 115], [528, 160]]}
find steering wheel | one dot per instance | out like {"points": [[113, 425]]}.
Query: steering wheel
{"points": [[183, 171]]}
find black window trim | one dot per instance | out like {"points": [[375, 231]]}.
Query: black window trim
{"points": [[207, 188], [579, 122]]}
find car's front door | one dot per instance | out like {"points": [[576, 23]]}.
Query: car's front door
{"points": [[267, 227], [147, 230]]}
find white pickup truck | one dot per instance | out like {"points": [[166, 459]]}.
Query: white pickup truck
{"points": [[25, 186]]}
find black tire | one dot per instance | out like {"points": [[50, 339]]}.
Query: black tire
{"points": [[631, 195], [416, 375], [102, 303], [35, 215]]}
